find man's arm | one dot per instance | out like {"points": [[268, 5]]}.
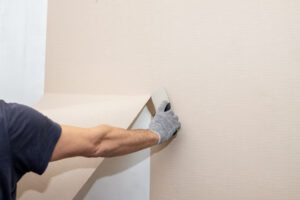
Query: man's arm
{"points": [[101, 141], [109, 141]]}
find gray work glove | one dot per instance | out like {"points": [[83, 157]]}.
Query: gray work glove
{"points": [[165, 123]]}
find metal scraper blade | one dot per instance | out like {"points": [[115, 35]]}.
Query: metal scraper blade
{"points": [[157, 98]]}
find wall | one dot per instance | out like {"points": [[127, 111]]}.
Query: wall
{"points": [[22, 49], [232, 72]]}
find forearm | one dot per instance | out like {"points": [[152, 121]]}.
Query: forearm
{"points": [[101, 141], [113, 141]]}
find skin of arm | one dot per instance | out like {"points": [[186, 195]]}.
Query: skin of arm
{"points": [[101, 141]]}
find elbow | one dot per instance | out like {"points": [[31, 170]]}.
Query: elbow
{"points": [[101, 144], [105, 151]]}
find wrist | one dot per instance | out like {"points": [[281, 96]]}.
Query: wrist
{"points": [[155, 136]]}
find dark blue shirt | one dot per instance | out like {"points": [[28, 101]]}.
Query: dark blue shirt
{"points": [[27, 140]]}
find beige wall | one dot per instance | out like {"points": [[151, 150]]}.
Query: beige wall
{"points": [[232, 69]]}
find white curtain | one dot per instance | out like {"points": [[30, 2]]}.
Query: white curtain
{"points": [[22, 49]]}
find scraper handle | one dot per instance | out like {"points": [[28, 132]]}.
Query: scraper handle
{"points": [[168, 107]]}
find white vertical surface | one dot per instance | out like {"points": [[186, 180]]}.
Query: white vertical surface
{"points": [[22, 49]]}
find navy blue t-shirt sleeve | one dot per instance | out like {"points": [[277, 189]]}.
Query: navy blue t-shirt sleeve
{"points": [[33, 137]]}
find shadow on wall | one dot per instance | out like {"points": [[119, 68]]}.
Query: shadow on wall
{"points": [[113, 166], [110, 167]]}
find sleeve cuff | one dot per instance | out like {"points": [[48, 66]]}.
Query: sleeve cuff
{"points": [[54, 131]]}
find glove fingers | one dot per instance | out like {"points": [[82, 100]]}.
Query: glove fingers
{"points": [[176, 118], [165, 123]]}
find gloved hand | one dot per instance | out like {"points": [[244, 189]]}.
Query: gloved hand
{"points": [[165, 123]]}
